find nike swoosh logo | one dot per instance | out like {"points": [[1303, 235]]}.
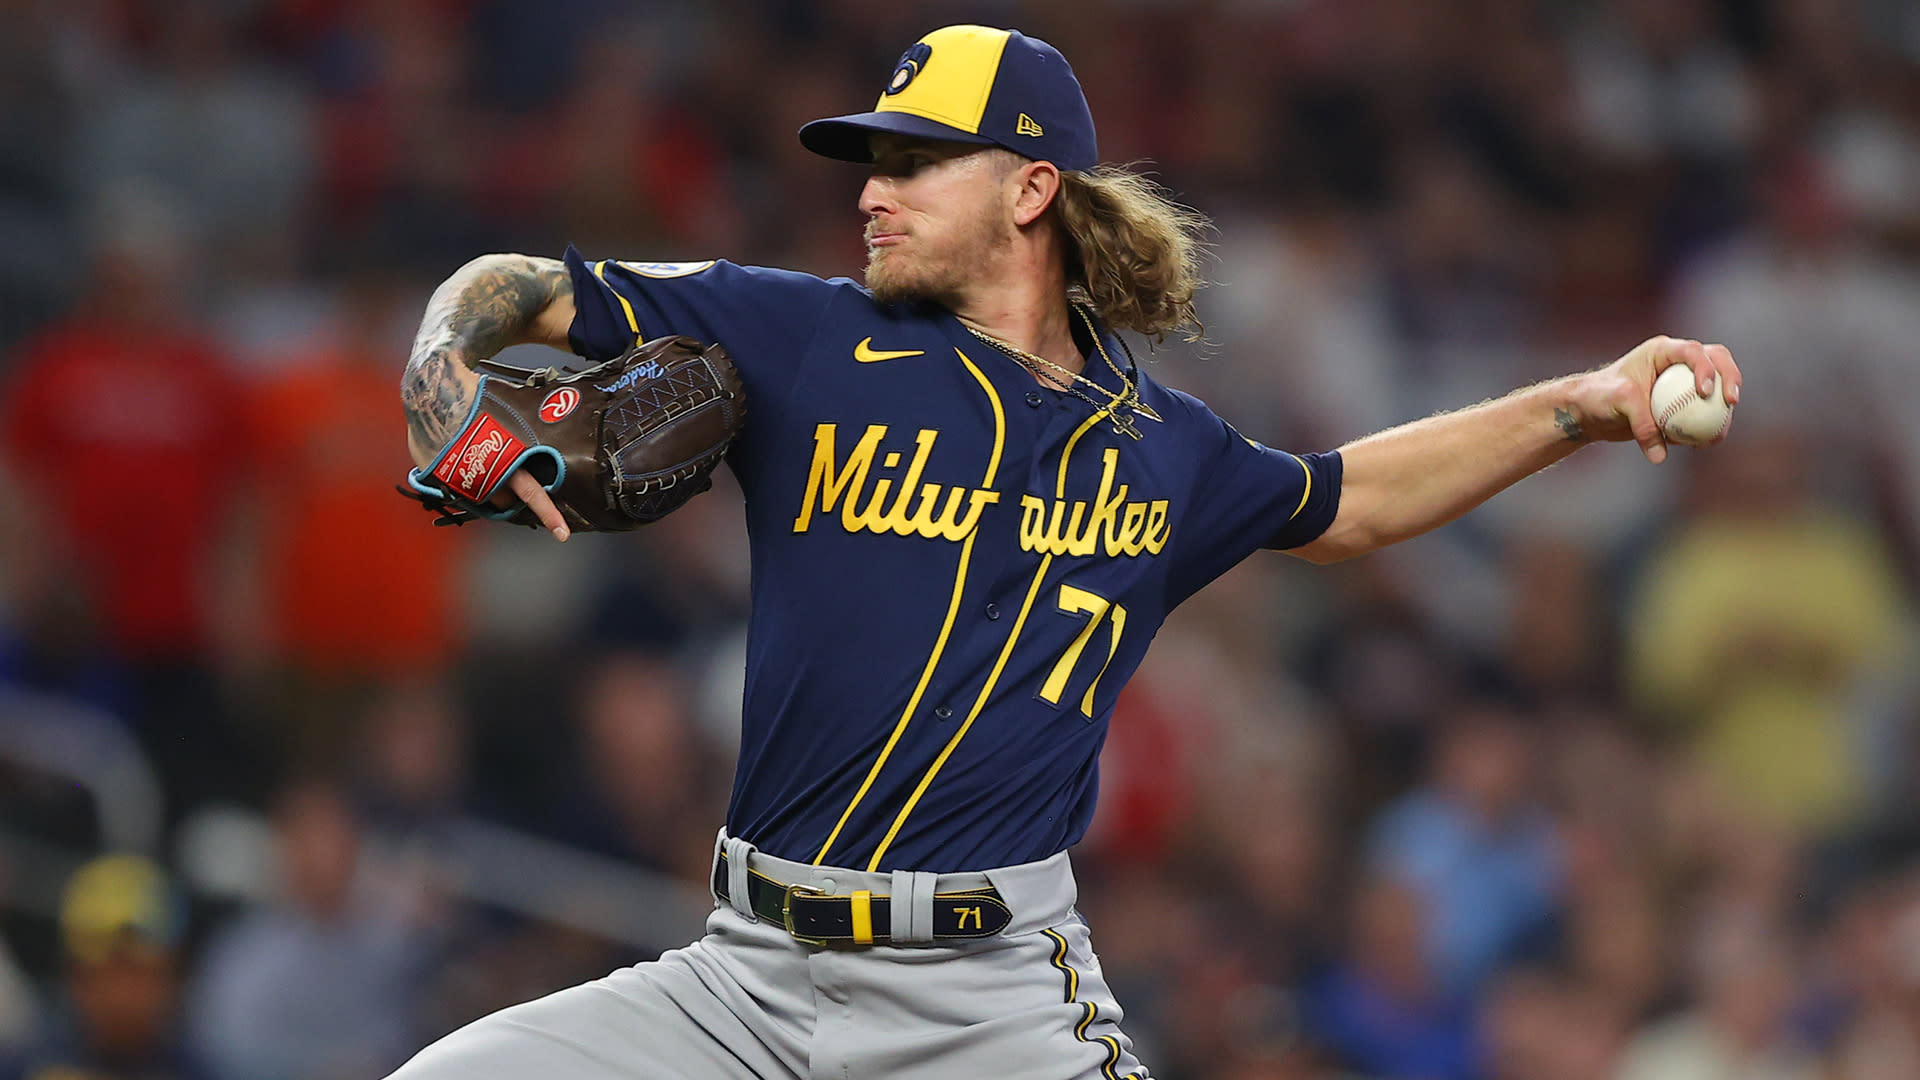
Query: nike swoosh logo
{"points": [[865, 353]]}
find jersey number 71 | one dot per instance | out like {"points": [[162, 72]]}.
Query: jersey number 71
{"points": [[1072, 602]]}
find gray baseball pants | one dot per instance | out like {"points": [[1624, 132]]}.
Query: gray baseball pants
{"points": [[749, 1001]]}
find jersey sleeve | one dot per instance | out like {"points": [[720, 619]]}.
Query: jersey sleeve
{"points": [[764, 318], [1249, 497]]}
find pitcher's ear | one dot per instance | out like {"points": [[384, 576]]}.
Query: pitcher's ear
{"points": [[1039, 187]]}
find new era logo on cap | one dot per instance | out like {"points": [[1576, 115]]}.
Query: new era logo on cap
{"points": [[973, 84]]}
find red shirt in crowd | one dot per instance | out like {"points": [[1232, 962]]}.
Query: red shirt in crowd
{"points": [[131, 443]]}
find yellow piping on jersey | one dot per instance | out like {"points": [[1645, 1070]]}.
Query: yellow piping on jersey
{"points": [[1119, 613], [979, 703], [1305, 493], [913, 702], [1060, 485], [946, 628], [600, 271], [1059, 961], [999, 665], [999, 418]]}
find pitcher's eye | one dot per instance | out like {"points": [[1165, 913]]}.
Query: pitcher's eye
{"points": [[901, 165]]}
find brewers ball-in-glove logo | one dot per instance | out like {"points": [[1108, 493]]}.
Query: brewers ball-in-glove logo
{"points": [[910, 65], [617, 445]]}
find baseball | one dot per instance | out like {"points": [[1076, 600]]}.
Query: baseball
{"points": [[1683, 415]]}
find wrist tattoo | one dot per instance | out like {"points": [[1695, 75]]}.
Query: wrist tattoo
{"points": [[1569, 427], [434, 400], [482, 309]]}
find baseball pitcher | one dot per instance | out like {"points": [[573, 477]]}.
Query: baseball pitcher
{"points": [[970, 512]]}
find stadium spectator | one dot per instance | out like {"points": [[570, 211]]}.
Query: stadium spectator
{"points": [[316, 984], [357, 583], [125, 403], [125, 388], [1759, 680], [1478, 846], [354, 585], [644, 781], [121, 923], [1743, 1023], [1382, 1008], [411, 769], [202, 98], [37, 204], [1543, 1025]]}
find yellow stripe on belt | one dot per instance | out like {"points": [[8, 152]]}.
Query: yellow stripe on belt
{"points": [[863, 916]]}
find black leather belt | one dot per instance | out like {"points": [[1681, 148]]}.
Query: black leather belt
{"points": [[861, 917]]}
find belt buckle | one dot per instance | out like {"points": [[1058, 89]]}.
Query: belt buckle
{"points": [[786, 911]]}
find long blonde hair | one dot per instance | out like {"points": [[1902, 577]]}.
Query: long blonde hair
{"points": [[1132, 250]]}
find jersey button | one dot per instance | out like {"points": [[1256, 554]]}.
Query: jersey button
{"points": [[993, 611], [943, 713], [1034, 399]]}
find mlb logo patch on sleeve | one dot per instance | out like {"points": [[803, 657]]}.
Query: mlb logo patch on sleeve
{"points": [[665, 269]]}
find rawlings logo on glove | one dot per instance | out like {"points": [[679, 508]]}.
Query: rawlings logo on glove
{"points": [[618, 445], [477, 458]]}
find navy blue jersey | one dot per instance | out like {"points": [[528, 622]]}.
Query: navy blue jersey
{"points": [[955, 569]]}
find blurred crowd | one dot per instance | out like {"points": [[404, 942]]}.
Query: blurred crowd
{"points": [[1612, 780]]}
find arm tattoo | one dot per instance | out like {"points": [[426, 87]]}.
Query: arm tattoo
{"points": [[1570, 427], [487, 305]]}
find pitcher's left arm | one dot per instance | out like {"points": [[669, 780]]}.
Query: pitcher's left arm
{"points": [[1407, 480]]}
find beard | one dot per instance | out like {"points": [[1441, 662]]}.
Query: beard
{"points": [[939, 271], [896, 280]]}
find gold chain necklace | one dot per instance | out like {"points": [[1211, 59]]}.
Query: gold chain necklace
{"points": [[1120, 408]]}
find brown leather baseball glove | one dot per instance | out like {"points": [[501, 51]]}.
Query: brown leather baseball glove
{"points": [[617, 445]]}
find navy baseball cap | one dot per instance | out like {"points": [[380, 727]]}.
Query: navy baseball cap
{"points": [[974, 84]]}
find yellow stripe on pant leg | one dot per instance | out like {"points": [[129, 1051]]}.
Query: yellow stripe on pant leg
{"points": [[1059, 961], [863, 916]]}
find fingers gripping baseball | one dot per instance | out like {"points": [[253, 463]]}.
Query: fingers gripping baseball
{"points": [[1722, 360], [1658, 404], [1646, 432], [1617, 401], [1707, 362]]}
